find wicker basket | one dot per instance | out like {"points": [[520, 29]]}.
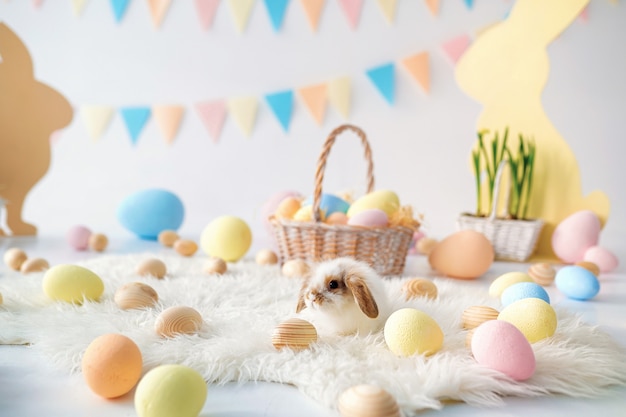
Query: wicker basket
{"points": [[384, 248], [512, 240]]}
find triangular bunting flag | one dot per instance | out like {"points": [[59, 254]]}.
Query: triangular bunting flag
{"points": [[281, 104], [314, 98], [212, 114], [352, 10], [384, 79], [206, 11], [313, 10], [119, 8], [454, 48], [158, 10], [469, 4], [240, 11], [433, 6], [243, 110], [388, 8], [584, 14], [339, 91], [168, 119], [276, 9], [96, 119], [418, 66], [37, 3], [78, 6], [135, 119]]}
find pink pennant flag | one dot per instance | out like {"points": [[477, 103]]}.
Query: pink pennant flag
{"points": [[584, 14], [455, 47], [352, 10], [37, 3], [158, 10], [206, 12], [212, 114]]}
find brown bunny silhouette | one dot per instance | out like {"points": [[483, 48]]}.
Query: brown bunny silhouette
{"points": [[29, 112], [506, 70]]}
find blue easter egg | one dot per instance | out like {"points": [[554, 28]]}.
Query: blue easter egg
{"points": [[577, 283], [523, 290], [330, 204], [148, 212]]}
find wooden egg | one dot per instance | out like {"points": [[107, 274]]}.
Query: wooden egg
{"points": [[425, 245], [589, 266], [419, 287], [542, 273], [185, 247], [367, 401], [34, 265], [474, 316], [152, 267], [468, 338], [215, 265], [178, 320], [266, 257], [168, 238], [295, 268], [98, 242], [294, 333], [135, 295], [14, 258]]}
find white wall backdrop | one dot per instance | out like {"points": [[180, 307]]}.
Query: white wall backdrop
{"points": [[421, 144]]}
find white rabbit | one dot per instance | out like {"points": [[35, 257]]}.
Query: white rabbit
{"points": [[344, 296]]}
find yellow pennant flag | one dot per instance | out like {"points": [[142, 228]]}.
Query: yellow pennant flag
{"points": [[158, 10], [339, 95], [314, 98], [313, 10], [244, 110], [168, 119], [388, 8], [78, 6], [240, 11], [96, 119], [418, 66]]}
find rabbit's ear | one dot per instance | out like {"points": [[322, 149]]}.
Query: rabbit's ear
{"points": [[13, 52], [301, 305], [546, 19], [362, 294]]}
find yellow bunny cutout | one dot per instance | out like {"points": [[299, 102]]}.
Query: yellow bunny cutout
{"points": [[506, 70]]}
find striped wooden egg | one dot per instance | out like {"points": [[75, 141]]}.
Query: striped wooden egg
{"points": [[589, 266], [542, 273], [294, 333], [367, 401], [474, 316], [178, 320], [215, 265], [135, 295], [34, 265], [295, 268], [419, 287], [185, 247], [152, 267]]}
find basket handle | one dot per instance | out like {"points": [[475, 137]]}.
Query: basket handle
{"points": [[321, 165], [496, 191]]}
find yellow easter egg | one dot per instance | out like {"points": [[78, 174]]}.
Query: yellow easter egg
{"points": [[170, 390], [504, 281], [535, 318], [72, 283], [305, 214], [409, 331], [226, 237], [384, 200]]}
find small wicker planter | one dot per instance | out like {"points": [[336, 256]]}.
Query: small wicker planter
{"points": [[384, 248], [512, 239]]}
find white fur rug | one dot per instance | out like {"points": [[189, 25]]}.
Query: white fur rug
{"points": [[241, 309]]}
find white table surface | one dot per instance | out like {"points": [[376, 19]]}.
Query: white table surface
{"points": [[29, 387]]}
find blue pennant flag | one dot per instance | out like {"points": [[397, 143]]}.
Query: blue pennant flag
{"points": [[276, 10], [469, 4], [384, 79], [119, 8], [135, 119], [281, 104]]}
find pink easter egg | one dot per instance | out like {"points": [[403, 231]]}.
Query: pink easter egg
{"points": [[501, 346], [602, 257], [369, 218], [575, 234], [78, 237]]}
